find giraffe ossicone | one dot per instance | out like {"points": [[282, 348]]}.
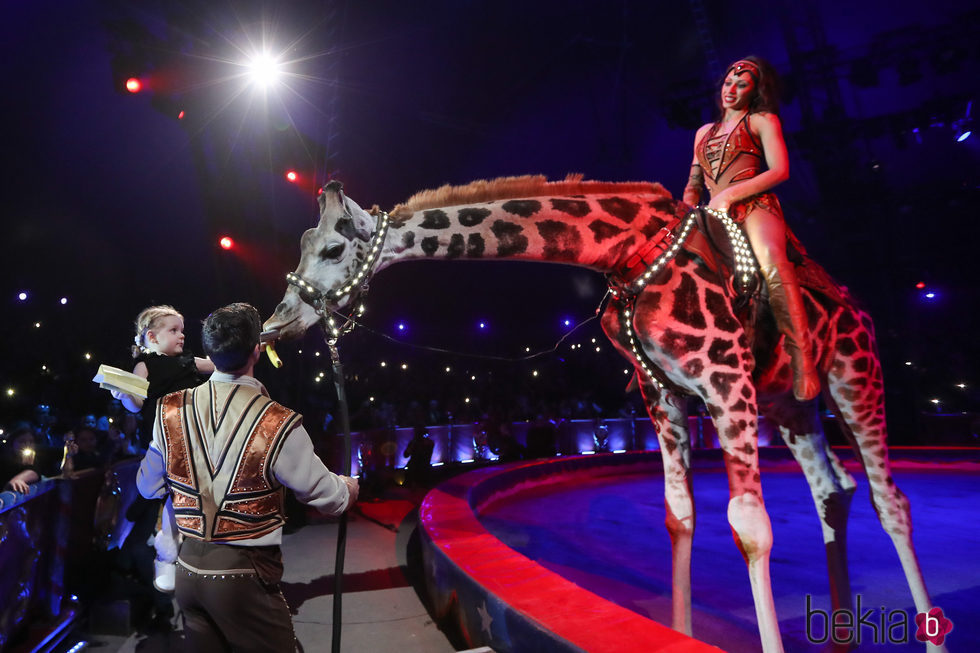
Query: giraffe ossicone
{"points": [[679, 326]]}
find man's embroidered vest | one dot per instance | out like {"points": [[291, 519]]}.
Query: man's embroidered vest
{"points": [[234, 495]]}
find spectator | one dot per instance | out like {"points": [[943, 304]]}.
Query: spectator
{"points": [[17, 470], [419, 454], [82, 450]]}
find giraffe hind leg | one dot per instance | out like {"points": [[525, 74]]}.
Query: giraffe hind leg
{"points": [[857, 392], [831, 488]]}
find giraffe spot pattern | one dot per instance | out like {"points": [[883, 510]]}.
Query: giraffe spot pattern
{"points": [[847, 322], [455, 249], [472, 216], [846, 346], [603, 230], [475, 246], [574, 208], [722, 383], [434, 219], [687, 308], [430, 244], [510, 238], [864, 341], [721, 311], [523, 208], [562, 241], [619, 207], [408, 239], [720, 353], [664, 205], [677, 344], [693, 368]]}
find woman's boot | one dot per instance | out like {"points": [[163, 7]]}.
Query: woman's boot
{"points": [[787, 307]]}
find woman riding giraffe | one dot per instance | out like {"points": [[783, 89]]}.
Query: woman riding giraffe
{"points": [[728, 156]]}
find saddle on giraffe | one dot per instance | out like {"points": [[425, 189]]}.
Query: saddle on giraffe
{"points": [[679, 330]]}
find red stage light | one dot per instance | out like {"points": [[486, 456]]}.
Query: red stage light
{"points": [[180, 116], [292, 176], [920, 285], [134, 85], [226, 242]]}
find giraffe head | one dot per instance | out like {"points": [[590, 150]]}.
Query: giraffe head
{"points": [[331, 255]]}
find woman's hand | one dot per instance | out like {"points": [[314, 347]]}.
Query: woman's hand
{"points": [[721, 201], [21, 482], [71, 448]]}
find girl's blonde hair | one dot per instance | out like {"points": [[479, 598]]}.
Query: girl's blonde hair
{"points": [[147, 320]]}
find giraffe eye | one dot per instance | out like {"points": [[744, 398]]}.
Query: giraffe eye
{"points": [[332, 252]]}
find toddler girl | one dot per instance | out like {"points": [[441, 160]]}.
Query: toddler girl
{"points": [[161, 360]]}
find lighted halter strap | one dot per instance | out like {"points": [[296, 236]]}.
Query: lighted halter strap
{"points": [[355, 286], [666, 243]]}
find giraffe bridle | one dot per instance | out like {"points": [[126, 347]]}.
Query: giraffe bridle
{"points": [[355, 286]]}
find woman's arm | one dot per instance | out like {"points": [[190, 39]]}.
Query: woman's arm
{"points": [[695, 182], [129, 402], [767, 127], [22, 480]]}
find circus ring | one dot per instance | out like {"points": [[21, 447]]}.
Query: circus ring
{"points": [[571, 554]]}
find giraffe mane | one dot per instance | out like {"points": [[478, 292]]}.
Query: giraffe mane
{"points": [[485, 190]]}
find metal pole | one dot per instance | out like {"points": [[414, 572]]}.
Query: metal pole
{"points": [[338, 572]]}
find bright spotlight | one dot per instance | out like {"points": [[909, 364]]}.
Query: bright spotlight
{"points": [[263, 70], [226, 242], [291, 175], [134, 85]]}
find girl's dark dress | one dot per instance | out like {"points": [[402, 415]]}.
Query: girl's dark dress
{"points": [[166, 374]]}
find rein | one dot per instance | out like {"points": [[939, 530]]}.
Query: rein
{"points": [[356, 286]]}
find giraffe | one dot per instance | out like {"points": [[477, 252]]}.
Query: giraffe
{"points": [[680, 333]]}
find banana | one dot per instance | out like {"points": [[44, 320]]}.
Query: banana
{"points": [[273, 356]]}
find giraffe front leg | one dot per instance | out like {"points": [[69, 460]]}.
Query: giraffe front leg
{"points": [[670, 418], [753, 534], [733, 409]]}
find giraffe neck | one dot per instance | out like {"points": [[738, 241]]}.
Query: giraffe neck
{"points": [[593, 231]]}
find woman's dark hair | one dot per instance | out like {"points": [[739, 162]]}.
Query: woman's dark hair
{"points": [[767, 87], [230, 334]]}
